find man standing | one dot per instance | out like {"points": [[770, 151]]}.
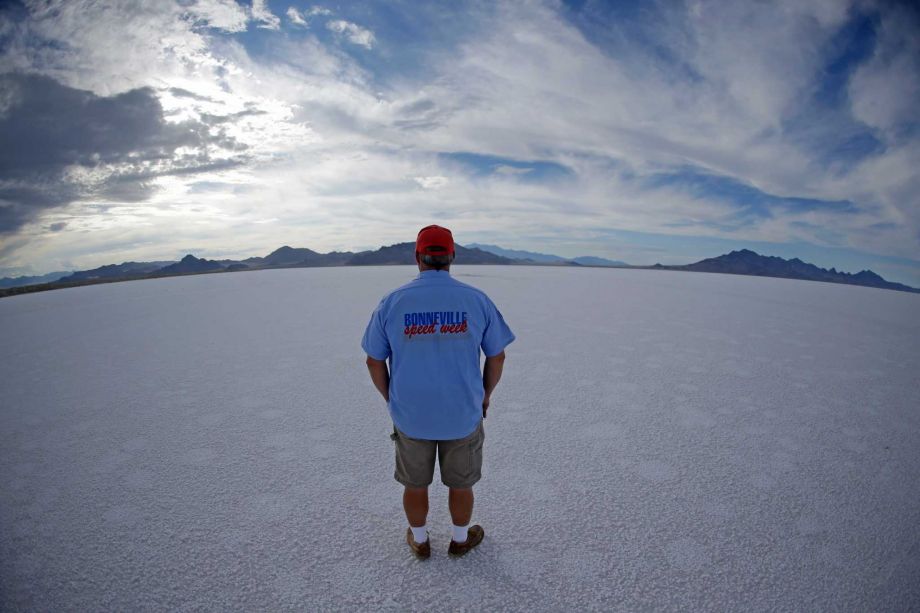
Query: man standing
{"points": [[431, 330]]}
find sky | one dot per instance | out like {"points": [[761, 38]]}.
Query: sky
{"points": [[640, 131]]}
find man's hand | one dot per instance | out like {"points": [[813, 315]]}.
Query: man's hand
{"points": [[491, 373], [380, 375]]}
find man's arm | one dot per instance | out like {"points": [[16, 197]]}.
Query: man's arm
{"points": [[380, 376], [491, 373]]}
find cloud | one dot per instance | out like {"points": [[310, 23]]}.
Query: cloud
{"points": [[296, 17], [746, 205], [541, 121], [302, 18], [262, 14], [225, 15], [353, 32], [480, 165], [184, 93], [656, 91], [435, 182], [503, 169], [110, 47], [61, 144], [885, 90]]}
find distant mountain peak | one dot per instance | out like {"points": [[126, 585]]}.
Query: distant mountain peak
{"points": [[289, 256], [190, 264]]}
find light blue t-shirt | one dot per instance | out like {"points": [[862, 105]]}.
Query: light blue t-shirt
{"points": [[431, 330]]}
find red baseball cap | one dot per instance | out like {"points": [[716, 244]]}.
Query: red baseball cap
{"points": [[434, 236]]}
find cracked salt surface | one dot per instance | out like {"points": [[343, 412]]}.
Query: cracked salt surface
{"points": [[660, 441]]}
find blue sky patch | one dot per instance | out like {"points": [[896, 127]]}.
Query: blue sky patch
{"points": [[751, 202], [478, 165], [851, 46]]}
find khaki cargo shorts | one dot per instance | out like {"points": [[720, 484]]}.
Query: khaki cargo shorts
{"points": [[460, 460]]}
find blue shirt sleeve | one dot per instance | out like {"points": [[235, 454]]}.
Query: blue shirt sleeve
{"points": [[375, 342], [497, 334]]}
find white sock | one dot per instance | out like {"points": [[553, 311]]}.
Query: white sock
{"points": [[420, 534], [460, 533]]}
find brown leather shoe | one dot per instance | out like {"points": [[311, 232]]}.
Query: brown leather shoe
{"points": [[422, 551], [473, 538]]}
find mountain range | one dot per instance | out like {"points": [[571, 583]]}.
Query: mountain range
{"points": [[32, 279], [546, 258], [743, 262], [747, 262]]}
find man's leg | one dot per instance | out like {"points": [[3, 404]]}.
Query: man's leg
{"points": [[415, 503], [460, 502], [461, 468], [414, 469]]}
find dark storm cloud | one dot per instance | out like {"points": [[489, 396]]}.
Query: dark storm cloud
{"points": [[47, 129]]}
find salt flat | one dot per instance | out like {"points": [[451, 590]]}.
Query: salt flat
{"points": [[659, 441]]}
